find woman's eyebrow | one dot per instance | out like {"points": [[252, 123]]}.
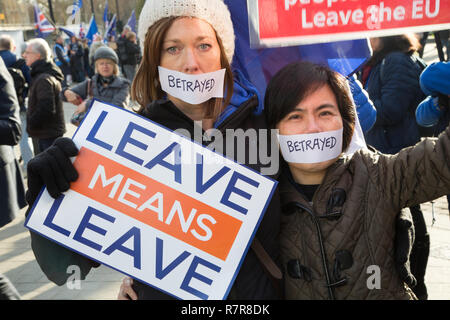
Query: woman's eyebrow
{"points": [[326, 105], [172, 40], [322, 106], [199, 38]]}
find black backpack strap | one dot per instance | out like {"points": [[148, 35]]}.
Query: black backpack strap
{"points": [[419, 61], [18, 64]]}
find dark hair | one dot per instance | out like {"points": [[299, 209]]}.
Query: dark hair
{"points": [[406, 43], [295, 82]]}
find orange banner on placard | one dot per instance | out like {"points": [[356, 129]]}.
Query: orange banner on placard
{"points": [[155, 204]]}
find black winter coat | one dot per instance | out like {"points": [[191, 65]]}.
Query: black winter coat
{"points": [[77, 58], [12, 189], [133, 52], [45, 114]]}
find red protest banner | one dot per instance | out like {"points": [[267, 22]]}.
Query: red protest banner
{"points": [[293, 22]]}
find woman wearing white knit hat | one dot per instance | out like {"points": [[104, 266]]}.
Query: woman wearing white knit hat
{"points": [[183, 21], [187, 40]]}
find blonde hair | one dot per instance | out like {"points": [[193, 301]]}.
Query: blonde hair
{"points": [[146, 87], [116, 71]]}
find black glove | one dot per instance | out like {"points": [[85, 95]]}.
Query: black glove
{"points": [[53, 169], [404, 240]]}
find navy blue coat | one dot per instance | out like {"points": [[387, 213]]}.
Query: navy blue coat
{"points": [[393, 86]]}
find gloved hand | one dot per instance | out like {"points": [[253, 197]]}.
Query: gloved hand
{"points": [[367, 113], [428, 112], [52, 168], [404, 240]]}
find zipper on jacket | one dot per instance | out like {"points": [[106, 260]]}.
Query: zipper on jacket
{"points": [[322, 250], [236, 114]]}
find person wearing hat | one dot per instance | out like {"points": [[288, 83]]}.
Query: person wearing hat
{"points": [[186, 37], [106, 85]]}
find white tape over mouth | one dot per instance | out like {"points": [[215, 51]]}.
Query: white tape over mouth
{"points": [[311, 148], [192, 88]]}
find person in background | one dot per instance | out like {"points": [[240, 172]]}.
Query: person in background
{"points": [[61, 59], [112, 43], [106, 85], [11, 184], [45, 114], [121, 47], [391, 77], [87, 67], [422, 37], [445, 41], [7, 48], [434, 110], [22, 82], [132, 53], [76, 54], [97, 43]]}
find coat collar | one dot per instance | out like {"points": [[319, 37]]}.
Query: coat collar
{"points": [[336, 177], [117, 82]]}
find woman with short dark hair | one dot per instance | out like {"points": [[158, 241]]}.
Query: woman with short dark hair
{"points": [[339, 212]]}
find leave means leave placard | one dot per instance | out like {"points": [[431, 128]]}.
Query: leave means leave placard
{"points": [[155, 205]]}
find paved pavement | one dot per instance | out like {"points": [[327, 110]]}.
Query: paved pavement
{"points": [[18, 264]]}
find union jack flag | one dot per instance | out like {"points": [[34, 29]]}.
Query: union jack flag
{"points": [[82, 33], [43, 26]]}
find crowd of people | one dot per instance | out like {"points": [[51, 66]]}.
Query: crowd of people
{"points": [[328, 220], [76, 59]]}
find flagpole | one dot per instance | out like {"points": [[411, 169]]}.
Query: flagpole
{"points": [[92, 7], [117, 9], [50, 8]]}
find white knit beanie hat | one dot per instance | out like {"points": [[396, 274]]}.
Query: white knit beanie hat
{"points": [[215, 12]]}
